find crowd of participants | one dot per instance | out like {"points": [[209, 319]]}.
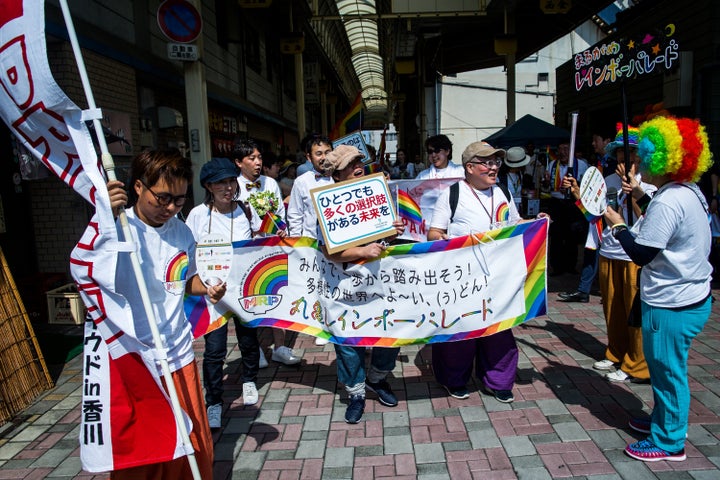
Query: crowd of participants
{"points": [[654, 274]]}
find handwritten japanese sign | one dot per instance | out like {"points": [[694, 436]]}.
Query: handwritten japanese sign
{"points": [[415, 293], [627, 58], [354, 140], [354, 212]]}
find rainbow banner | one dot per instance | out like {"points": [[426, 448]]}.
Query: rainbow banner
{"points": [[415, 293], [407, 208]]}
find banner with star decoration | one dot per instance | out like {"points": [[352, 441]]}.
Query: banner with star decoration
{"points": [[610, 62], [414, 293]]}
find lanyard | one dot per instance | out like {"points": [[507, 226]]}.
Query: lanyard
{"points": [[232, 220], [492, 201]]}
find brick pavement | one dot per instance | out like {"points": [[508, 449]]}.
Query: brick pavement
{"points": [[566, 421]]}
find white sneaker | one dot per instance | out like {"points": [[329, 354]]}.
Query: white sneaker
{"points": [[321, 341], [263, 363], [285, 355], [618, 376], [603, 365], [250, 393], [214, 413]]}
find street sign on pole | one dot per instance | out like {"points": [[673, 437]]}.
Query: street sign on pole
{"points": [[179, 21]]}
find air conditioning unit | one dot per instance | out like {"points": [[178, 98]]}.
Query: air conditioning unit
{"points": [[169, 118]]}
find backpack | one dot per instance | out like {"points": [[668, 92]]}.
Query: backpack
{"points": [[455, 196]]}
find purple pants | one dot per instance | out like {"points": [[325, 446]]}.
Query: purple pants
{"points": [[496, 360]]}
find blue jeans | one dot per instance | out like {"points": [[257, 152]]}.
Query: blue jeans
{"points": [[667, 336], [214, 359], [351, 364], [589, 270]]}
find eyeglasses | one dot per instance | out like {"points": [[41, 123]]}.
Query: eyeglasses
{"points": [[165, 199], [430, 151], [489, 163]]}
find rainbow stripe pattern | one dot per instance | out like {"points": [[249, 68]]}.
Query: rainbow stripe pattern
{"points": [[177, 268], [502, 213], [271, 224], [374, 167], [267, 277], [408, 208]]}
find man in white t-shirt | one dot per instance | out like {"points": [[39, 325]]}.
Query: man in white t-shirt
{"points": [[479, 206]]}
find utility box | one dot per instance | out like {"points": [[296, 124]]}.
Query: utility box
{"points": [[65, 305]]}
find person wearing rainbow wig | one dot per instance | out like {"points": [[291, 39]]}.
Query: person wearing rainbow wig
{"points": [[672, 244]]}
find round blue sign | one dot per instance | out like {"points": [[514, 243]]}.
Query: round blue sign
{"points": [[179, 20]]}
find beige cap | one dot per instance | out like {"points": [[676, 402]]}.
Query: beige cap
{"points": [[480, 149], [343, 155]]}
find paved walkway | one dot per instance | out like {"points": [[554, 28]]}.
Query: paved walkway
{"points": [[566, 421]]}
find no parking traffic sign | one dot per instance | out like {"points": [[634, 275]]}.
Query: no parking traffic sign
{"points": [[179, 20]]}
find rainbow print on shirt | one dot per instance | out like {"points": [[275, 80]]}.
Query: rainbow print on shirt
{"points": [[176, 273], [502, 214], [261, 288]]}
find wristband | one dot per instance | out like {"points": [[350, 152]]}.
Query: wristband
{"points": [[619, 225]]}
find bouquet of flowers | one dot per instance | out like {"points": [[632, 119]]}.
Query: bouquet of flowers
{"points": [[264, 202]]}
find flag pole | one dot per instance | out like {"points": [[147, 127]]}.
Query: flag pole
{"points": [[109, 167]]}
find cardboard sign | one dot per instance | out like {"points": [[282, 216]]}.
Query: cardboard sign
{"points": [[354, 212], [354, 140]]}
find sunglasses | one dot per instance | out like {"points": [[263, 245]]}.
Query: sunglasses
{"points": [[430, 151], [165, 199]]}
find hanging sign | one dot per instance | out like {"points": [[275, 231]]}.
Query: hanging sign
{"points": [[611, 62]]}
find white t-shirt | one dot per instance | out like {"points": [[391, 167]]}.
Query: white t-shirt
{"points": [[476, 211], [453, 170], [610, 246], [676, 221], [267, 184], [232, 226], [167, 260], [301, 217]]}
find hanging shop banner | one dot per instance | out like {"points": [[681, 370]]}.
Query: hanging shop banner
{"points": [[414, 293], [354, 212], [611, 62]]}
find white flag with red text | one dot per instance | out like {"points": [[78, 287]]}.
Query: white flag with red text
{"points": [[126, 416]]}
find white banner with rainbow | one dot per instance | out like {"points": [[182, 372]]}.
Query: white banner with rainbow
{"points": [[417, 293]]}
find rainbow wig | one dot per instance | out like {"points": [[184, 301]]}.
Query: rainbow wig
{"points": [[677, 147]]}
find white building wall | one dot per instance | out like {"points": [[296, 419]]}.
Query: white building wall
{"points": [[474, 104]]}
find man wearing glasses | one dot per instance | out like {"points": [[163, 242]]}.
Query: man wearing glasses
{"points": [[439, 152], [481, 205]]}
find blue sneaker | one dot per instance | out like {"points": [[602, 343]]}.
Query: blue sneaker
{"points": [[383, 391], [355, 409], [647, 451]]}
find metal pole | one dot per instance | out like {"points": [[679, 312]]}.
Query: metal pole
{"points": [[109, 166], [626, 150]]}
